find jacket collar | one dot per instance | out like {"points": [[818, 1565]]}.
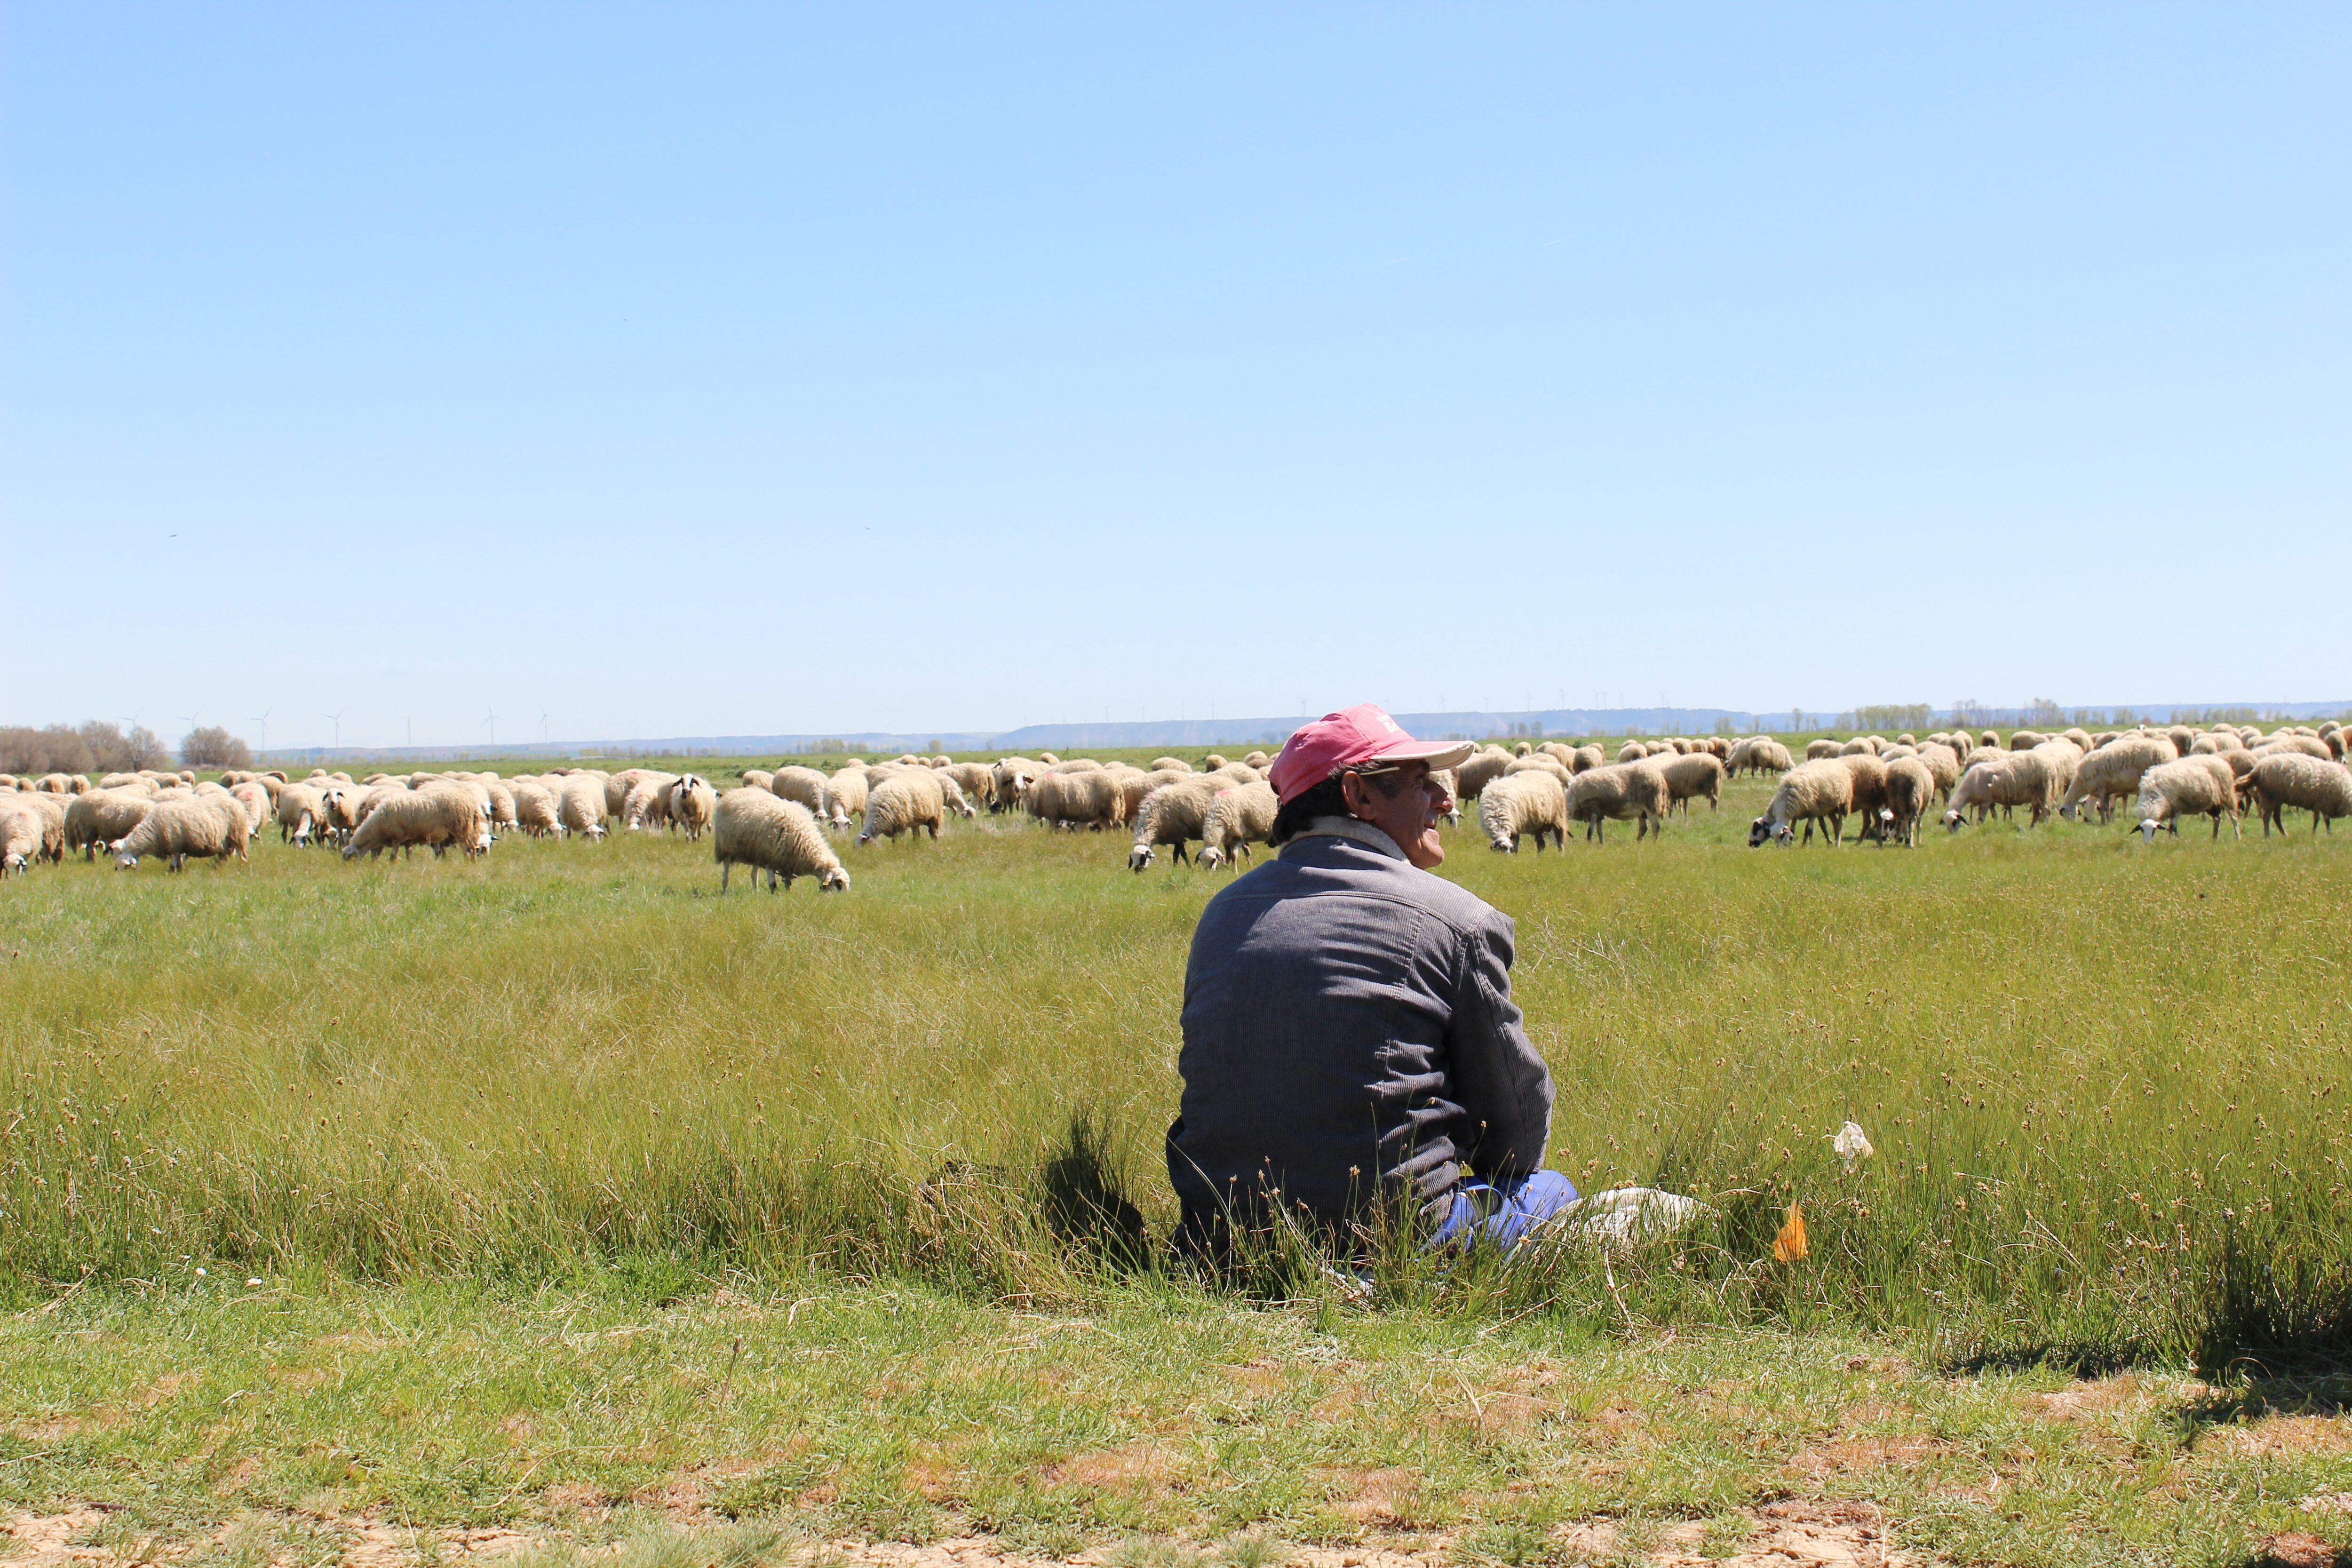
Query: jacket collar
{"points": [[1363, 833]]}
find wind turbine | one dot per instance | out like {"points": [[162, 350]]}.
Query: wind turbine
{"points": [[337, 719], [263, 722], [490, 718], [542, 726]]}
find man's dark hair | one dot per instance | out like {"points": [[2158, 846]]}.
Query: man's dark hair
{"points": [[1325, 799], [1291, 818]]}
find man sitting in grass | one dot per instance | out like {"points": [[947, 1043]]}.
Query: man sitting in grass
{"points": [[1350, 1038]]}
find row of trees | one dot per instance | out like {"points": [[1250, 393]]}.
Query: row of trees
{"points": [[98, 747]]}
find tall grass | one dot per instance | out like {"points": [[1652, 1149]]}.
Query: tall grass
{"points": [[2107, 1080]]}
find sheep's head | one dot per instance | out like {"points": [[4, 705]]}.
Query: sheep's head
{"points": [[1758, 831], [1210, 857], [1954, 820], [2148, 826], [12, 862], [834, 881], [1138, 858]]}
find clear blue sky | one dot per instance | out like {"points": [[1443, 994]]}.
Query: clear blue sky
{"points": [[731, 369]]}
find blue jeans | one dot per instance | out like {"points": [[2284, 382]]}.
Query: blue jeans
{"points": [[1503, 1212]]}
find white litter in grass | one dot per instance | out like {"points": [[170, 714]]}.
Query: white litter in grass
{"points": [[1851, 1144], [1625, 1214]]}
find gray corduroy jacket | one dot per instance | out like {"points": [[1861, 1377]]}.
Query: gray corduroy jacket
{"points": [[1348, 1034]]}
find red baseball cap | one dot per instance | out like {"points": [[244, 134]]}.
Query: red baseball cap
{"points": [[1349, 739]]}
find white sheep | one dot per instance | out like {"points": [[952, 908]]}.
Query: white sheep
{"points": [[436, 816], [1816, 751], [1910, 795], [579, 808], [1622, 791], [1693, 775], [2283, 779], [1632, 752], [762, 778], [2171, 791], [1534, 802], [1257, 760], [1820, 789], [21, 832], [1175, 812], [1483, 766], [2113, 772], [1092, 800], [2016, 778], [845, 794], [1238, 818], [1171, 766], [647, 804], [691, 802], [908, 802], [177, 831], [806, 786], [536, 813], [952, 795], [1760, 754], [978, 782], [753, 827]]}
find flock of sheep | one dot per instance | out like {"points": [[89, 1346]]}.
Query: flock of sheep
{"points": [[2168, 772], [777, 822]]}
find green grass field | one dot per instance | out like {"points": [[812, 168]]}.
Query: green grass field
{"points": [[2106, 1082]]}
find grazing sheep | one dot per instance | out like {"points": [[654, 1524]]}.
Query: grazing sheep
{"points": [[1860, 746], [1090, 800], [1546, 764], [1171, 766], [1048, 758], [952, 795], [806, 786], [691, 802], [104, 815], [2113, 772], [647, 802], [1524, 748], [1208, 763], [1088, 765], [845, 794], [1133, 784], [435, 816], [1175, 812], [1238, 818], [49, 842], [1910, 794], [1533, 802], [1944, 763], [1632, 752], [1622, 791], [2025, 740], [2020, 778], [2082, 739], [1990, 739], [1257, 760], [2282, 779], [536, 815], [1012, 777], [193, 828], [21, 830], [1483, 766], [1761, 755], [502, 802], [1817, 750], [579, 808], [1820, 789], [2189, 787], [2305, 745], [1692, 775], [762, 778], [751, 826], [1869, 789], [256, 801], [908, 802], [978, 782], [2183, 738]]}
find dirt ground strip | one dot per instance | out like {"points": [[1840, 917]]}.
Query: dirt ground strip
{"points": [[1780, 1535]]}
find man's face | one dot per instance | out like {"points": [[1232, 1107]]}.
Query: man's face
{"points": [[1404, 802]]}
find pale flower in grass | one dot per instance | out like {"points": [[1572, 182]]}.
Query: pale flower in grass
{"points": [[1851, 1144]]}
